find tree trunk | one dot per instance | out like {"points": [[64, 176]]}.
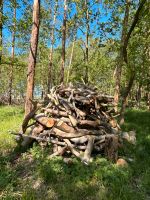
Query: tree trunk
{"points": [[50, 66], [1, 28], [87, 43], [70, 62], [32, 56], [125, 97], [63, 43], [135, 21], [118, 71], [12, 58], [125, 55], [43, 91], [138, 95], [148, 100], [147, 95]]}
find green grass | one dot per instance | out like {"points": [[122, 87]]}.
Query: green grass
{"points": [[10, 119], [31, 175]]}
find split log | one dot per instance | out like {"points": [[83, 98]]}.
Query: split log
{"points": [[45, 121]]}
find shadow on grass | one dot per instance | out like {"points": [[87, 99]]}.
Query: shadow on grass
{"points": [[34, 176], [100, 180], [139, 120]]}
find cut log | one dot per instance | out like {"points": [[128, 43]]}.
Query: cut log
{"points": [[45, 121], [89, 123], [55, 112], [64, 127], [73, 120], [111, 148]]}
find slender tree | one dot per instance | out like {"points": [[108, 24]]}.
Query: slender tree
{"points": [[125, 96], [74, 37], [50, 66], [120, 57], [70, 61], [12, 53], [125, 55], [1, 28], [134, 23], [87, 42], [32, 56], [63, 43]]}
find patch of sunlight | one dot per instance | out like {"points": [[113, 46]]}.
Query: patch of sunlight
{"points": [[148, 137]]}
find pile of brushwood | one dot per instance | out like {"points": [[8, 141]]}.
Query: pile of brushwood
{"points": [[73, 121]]}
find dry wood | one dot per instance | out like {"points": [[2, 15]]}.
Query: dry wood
{"points": [[29, 116], [75, 120], [45, 121], [111, 148], [88, 151], [80, 133], [61, 151], [88, 123], [38, 128], [55, 112], [76, 153], [64, 127], [79, 140]]}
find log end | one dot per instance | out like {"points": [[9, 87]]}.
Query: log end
{"points": [[121, 163]]}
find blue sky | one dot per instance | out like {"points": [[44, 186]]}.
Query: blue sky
{"points": [[93, 26]]}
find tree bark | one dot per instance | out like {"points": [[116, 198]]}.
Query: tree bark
{"points": [[63, 43], [50, 66], [125, 97], [32, 56], [88, 151], [125, 55], [120, 57], [87, 43], [12, 57], [70, 62], [1, 28]]}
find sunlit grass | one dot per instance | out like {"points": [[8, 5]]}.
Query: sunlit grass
{"points": [[10, 119], [32, 175]]}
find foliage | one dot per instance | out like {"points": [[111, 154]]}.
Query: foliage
{"points": [[105, 25]]}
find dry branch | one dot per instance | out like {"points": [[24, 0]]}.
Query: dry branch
{"points": [[75, 120]]}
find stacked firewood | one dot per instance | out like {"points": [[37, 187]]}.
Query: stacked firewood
{"points": [[74, 120]]}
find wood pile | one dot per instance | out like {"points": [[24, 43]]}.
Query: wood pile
{"points": [[74, 120]]}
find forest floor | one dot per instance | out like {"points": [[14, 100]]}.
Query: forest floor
{"points": [[30, 175]]}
